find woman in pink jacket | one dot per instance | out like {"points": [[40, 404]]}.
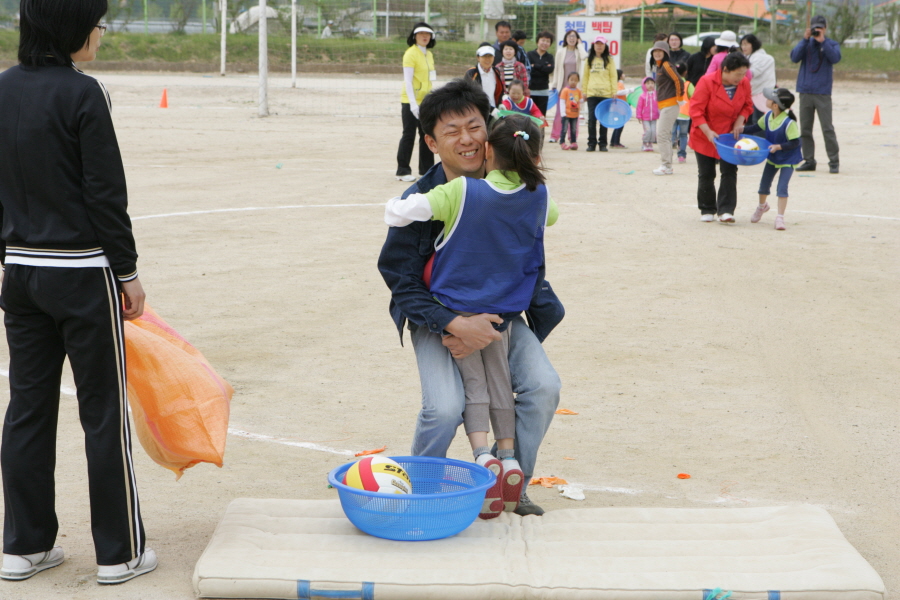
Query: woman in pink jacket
{"points": [[721, 104]]}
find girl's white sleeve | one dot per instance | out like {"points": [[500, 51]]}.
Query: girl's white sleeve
{"points": [[408, 73], [401, 212]]}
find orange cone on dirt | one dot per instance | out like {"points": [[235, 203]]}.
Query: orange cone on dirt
{"points": [[876, 120], [164, 101]]}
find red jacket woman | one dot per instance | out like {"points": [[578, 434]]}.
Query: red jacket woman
{"points": [[721, 103]]}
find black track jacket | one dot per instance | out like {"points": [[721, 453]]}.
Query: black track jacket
{"points": [[62, 183]]}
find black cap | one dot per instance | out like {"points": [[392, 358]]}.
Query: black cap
{"points": [[817, 21]]}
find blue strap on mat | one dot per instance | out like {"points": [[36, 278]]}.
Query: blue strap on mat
{"points": [[306, 592], [716, 594]]}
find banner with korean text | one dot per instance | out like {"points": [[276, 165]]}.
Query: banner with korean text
{"points": [[589, 28]]}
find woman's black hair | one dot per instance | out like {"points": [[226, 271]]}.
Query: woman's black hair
{"points": [[652, 61], [411, 40], [545, 34], [593, 54], [512, 45], [514, 153], [458, 97], [787, 98], [753, 40], [707, 44], [734, 61], [50, 31], [680, 39], [566, 37]]}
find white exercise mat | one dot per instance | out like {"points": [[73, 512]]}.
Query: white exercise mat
{"points": [[307, 549]]}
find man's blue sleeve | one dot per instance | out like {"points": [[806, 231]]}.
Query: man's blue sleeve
{"points": [[832, 51], [799, 51]]}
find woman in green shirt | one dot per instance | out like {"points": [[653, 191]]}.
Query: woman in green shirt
{"points": [[418, 75]]}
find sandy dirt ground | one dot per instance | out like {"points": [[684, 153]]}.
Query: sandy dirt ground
{"points": [[763, 363]]}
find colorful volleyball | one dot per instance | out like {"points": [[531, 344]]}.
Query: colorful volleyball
{"points": [[746, 144], [378, 474]]}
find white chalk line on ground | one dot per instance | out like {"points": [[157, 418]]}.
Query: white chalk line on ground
{"points": [[294, 206]]}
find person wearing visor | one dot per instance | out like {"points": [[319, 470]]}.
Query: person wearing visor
{"points": [[418, 77], [487, 75]]}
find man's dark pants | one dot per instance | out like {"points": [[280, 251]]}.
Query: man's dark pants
{"points": [[810, 104]]}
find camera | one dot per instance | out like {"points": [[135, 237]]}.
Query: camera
{"points": [[816, 31]]}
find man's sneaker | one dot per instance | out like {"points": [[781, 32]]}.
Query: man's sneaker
{"points": [[409, 177], [662, 170], [758, 213], [591, 149], [779, 223], [527, 507], [603, 149], [681, 159], [493, 498], [809, 165], [17, 567], [511, 482], [564, 146], [707, 218], [112, 574], [833, 169], [726, 218]]}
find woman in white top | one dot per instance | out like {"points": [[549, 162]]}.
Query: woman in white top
{"points": [[418, 75], [569, 59], [762, 65]]}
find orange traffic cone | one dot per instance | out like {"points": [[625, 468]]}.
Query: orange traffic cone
{"points": [[164, 101], [876, 120]]}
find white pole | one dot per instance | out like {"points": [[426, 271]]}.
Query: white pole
{"points": [[293, 43], [427, 11], [223, 10], [387, 20], [263, 60], [588, 8]]}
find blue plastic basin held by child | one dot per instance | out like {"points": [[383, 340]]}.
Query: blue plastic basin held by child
{"points": [[613, 113], [725, 145]]}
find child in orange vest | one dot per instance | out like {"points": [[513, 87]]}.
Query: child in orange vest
{"points": [[683, 120]]}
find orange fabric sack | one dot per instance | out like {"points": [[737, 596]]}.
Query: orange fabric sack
{"points": [[179, 403]]}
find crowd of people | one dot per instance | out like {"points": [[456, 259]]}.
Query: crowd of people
{"points": [[685, 100]]}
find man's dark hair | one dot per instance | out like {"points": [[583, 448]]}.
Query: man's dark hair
{"points": [[456, 98], [50, 31], [546, 34], [518, 34], [514, 153], [502, 24], [411, 40], [753, 41], [735, 61]]}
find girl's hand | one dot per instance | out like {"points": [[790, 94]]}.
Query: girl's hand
{"points": [[774, 148]]}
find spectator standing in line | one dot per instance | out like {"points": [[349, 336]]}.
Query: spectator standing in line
{"points": [[699, 61], [762, 65], [677, 54], [600, 83], [504, 34], [511, 67], [418, 74], [541, 69], [520, 37], [817, 56], [485, 74], [569, 58], [649, 65]]}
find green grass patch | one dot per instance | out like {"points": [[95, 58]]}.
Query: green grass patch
{"points": [[173, 47]]}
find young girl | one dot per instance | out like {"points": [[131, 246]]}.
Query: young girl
{"points": [[487, 261], [600, 83], [571, 99], [647, 112], [669, 90], [518, 102], [781, 130]]}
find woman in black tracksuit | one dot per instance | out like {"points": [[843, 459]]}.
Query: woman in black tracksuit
{"points": [[70, 278]]}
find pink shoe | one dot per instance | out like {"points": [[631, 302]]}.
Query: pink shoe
{"points": [[647, 148], [779, 223], [511, 483], [573, 146], [681, 159], [758, 213], [493, 498], [564, 146]]}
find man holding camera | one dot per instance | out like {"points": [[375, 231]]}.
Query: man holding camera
{"points": [[817, 56]]}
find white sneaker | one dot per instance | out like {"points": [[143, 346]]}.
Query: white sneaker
{"points": [[726, 218], [22, 566], [111, 574], [409, 177], [661, 170], [707, 218]]}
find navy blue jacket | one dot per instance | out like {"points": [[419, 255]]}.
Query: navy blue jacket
{"points": [[816, 65], [402, 262]]}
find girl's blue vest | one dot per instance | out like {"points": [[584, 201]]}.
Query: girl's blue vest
{"points": [[489, 261], [524, 111], [779, 136]]}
